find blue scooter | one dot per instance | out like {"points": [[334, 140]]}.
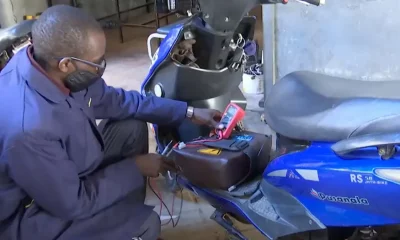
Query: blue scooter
{"points": [[333, 169], [13, 39]]}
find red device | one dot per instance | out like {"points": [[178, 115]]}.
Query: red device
{"points": [[232, 115]]}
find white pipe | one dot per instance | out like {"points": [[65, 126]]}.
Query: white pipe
{"points": [[151, 37]]}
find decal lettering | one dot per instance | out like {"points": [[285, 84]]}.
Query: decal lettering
{"points": [[339, 199], [366, 179], [356, 178], [244, 137]]}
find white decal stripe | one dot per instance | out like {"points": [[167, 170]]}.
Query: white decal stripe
{"points": [[278, 173], [311, 175]]}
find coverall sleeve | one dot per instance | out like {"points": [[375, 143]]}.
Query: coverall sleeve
{"points": [[41, 167], [116, 103]]}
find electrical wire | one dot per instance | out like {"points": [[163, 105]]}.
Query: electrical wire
{"points": [[157, 193], [170, 213], [255, 70], [197, 143]]}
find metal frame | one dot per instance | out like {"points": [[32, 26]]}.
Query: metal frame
{"points": [[157, 16], [149, 39], [269, 54], [156, 19]]}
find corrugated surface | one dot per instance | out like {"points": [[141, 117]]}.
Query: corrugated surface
{"points": [[350, 38], [12, 11]]}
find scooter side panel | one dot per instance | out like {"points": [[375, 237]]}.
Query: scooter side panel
{"points": [[339, 192], [272, 211]]}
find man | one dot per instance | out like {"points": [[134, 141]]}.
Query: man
{"points": [[60, 176]]}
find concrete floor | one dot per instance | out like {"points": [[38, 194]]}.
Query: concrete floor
{"points": [[127, 66]]}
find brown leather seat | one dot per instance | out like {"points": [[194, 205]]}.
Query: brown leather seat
{"points": [[222, 169]]}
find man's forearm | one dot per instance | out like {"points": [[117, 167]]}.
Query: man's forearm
{"points": [[116, 103]]}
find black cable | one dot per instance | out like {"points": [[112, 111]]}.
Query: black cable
{"points": [[174, 224]]}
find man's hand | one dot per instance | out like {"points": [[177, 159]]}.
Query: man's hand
{"points": [[151, 165], [204, 116]]}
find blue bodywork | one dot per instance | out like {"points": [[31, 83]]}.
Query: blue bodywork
{"points": [[336, 191], [161, 55], [339, 192]]}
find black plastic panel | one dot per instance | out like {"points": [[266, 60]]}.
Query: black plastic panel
{"points": [[224, 15], [247, 27], [192, 84], [285, 145], [211, 48], [275, 212]]}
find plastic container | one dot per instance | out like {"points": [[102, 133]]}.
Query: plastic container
{"points": [[253, 84]]}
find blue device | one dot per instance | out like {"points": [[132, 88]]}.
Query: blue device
{"points": [[335, 165]]}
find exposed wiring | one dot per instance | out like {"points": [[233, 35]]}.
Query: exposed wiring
{"points": [[254, 70], [170, 213], [218, 135], [153, 181], [241, 42]]}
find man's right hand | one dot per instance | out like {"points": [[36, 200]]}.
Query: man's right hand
{"points": [[151, 165]]}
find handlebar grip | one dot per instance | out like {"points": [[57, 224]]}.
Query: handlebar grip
{"points": [[315, 2]]}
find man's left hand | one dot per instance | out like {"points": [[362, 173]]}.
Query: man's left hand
{"points": [[204, 116]]}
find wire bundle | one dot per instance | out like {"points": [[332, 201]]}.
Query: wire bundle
{"points": [[254, 70]]}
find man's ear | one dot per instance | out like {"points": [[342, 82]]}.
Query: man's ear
{"points": [[65, 65]]}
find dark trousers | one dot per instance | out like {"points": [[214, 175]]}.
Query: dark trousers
{"points": [[124, 139]]}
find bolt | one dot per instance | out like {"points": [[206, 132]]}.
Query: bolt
{"points": [[382, 151]]}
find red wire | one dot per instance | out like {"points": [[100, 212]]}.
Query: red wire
{"points": [[190, 144], [153, 184]]}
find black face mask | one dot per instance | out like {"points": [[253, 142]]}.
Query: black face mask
{"points": [[80, 80]]}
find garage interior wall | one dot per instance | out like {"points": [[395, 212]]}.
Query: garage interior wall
{"points": [[12, 11], [352, 39]]}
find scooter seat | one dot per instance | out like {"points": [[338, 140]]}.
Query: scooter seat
{"points": [[9, 35], [316, 107]]}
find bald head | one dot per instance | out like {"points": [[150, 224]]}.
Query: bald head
{"points": [[64, 31]]}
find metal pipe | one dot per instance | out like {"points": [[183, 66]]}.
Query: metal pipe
{"points": [[126, 10], [121, 33], [136, 25], [269, 24]]}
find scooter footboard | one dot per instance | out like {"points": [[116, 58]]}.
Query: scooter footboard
{"points": [[274, 212]]}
